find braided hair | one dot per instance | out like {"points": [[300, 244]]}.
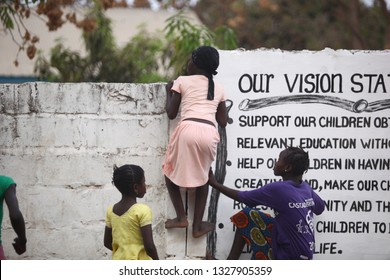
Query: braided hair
{"points": [[299, 160], [126, 176], [206, 58]]}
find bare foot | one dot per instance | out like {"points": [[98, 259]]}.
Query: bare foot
{"points": [[204, 228], [176, 223]]}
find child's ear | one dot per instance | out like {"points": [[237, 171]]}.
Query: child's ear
{"points": [[288, 168], [135, 188]]}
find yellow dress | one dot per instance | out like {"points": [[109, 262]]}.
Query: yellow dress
{"points": [[127, 242]]}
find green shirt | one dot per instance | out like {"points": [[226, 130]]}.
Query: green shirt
{"points": [[5, 183]]}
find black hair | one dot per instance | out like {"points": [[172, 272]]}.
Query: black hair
{"points": [[126, 176], [298, 158], [207, 59]]}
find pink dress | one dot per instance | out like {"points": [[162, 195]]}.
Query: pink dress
{"points": [[193, 145]]}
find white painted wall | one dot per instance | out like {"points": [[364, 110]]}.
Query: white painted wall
{"points": [[59, 143]]}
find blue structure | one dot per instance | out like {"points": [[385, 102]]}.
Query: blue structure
{"points": [[17, 79]]}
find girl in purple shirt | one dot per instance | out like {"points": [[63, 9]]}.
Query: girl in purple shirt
{"points": [[294, 203]]}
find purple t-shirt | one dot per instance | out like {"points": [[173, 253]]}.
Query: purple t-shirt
{"points": [[294, 206]]}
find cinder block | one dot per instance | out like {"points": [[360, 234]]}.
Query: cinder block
{"points": [[68, 98]]}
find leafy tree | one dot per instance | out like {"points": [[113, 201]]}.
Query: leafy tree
{"points": [[55, 13], [294, 25], [144, 59], [137, 61], [183, 37], [12, 14], [289, 25]]}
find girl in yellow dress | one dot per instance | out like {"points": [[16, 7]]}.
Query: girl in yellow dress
{"points": [[128, 231]]}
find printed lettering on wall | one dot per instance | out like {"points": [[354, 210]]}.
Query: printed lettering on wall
{"points": [[336, 106]]}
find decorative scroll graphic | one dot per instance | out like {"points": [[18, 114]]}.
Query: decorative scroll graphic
{"points": [[356, 107], [220, 174]]}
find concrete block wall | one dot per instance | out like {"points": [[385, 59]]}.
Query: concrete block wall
{"points": [[60, 141]]}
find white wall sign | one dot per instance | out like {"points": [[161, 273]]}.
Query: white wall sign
{"points": [[336, 106]]}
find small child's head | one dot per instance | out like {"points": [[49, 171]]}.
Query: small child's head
{"points": [[292, 160], [129, 179]]}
